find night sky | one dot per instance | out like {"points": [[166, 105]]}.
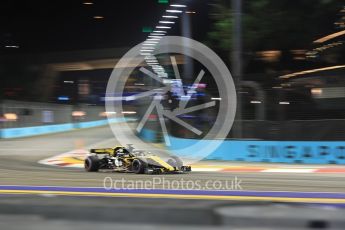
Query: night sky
{"points": [[45, 26]]}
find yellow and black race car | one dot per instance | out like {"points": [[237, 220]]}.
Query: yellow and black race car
{"points": [[122, 159]]}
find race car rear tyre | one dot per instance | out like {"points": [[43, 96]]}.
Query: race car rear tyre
{"points": [[138, 166], [175, 162], [91, 164]]}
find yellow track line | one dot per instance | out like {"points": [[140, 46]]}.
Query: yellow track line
{"points": [[174, 196]]}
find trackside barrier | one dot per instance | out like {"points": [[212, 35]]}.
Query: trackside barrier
{"points": [[47, 129], [304, 152], [90, 124], [36, 130]]}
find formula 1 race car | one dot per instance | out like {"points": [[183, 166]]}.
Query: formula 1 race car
{"points": [[122, 159]]}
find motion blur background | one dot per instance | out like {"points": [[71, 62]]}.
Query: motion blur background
{"points": [[56, 59]]}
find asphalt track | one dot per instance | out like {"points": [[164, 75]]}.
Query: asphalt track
{"points": [[19, 157]]}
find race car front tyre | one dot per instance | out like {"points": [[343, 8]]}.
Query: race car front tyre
{"points": [[138, 166], [91, 164]]}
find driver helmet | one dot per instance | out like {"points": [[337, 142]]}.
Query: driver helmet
{"points": [[119, 151]]}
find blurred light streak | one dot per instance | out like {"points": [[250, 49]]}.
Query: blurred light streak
{"points": [[10, 116], [269, 55], [106, 114], [78, 113], [11, 46], [316, 91], [169, 16], [311, 71], [166, 22], [329, 37], [163, 27], [63, 98], [174, 11], [178, 5], [159, 31], [157, 34]]}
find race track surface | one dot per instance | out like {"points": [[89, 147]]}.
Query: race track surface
{"points": [[19, 157], [40, 196]]}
